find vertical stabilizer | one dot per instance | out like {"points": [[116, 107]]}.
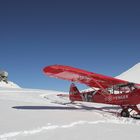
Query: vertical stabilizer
{"points": [[73, 89]]}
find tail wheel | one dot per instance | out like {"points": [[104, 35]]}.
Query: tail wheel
{"points": [[125, 113]]}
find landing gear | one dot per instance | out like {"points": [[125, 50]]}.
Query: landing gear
{"points": [[125, 113]]}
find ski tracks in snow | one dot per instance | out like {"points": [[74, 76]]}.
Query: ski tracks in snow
{"points": [[46, 128], [49, 127]]}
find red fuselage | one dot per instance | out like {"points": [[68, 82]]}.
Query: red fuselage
{"points": [[123, 99]]}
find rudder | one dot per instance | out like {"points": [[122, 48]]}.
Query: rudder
{"points": [[73, 89]]}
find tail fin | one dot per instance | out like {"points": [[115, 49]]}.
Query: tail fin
{"points": [[73, 90], [74, 93]]}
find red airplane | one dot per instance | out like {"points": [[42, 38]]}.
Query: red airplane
{"points": [[107, 90]]}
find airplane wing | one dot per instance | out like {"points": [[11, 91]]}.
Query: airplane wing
{"points": [[81, 76]]}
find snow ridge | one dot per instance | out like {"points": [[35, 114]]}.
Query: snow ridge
{"points": [[8, 85]]}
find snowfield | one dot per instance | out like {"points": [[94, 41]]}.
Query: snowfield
{"points": [[32, 114]]}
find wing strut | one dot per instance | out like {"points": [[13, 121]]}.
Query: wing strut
{"points": [[102, 88]]}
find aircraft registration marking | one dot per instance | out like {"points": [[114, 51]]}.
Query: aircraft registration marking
{"points": [[120, 97]]}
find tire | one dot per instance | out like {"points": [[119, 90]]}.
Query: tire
{"points": [[125, 113]]}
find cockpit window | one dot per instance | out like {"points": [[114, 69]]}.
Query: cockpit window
{"points": [[122, 88]]}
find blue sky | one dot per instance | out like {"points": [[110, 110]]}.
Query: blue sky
{"points": [[97, 35]]}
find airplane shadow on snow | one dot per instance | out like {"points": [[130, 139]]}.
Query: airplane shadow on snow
{"points": [[78, 107], [44, 108]]}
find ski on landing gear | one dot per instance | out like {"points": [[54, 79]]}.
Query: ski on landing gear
{"points": [[130, 111]]}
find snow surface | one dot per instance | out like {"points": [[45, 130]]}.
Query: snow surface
{"points": [[132, 75], [8, 85], [33, 114]]}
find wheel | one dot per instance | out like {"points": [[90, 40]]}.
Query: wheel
{"points": [[125, 113]]}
